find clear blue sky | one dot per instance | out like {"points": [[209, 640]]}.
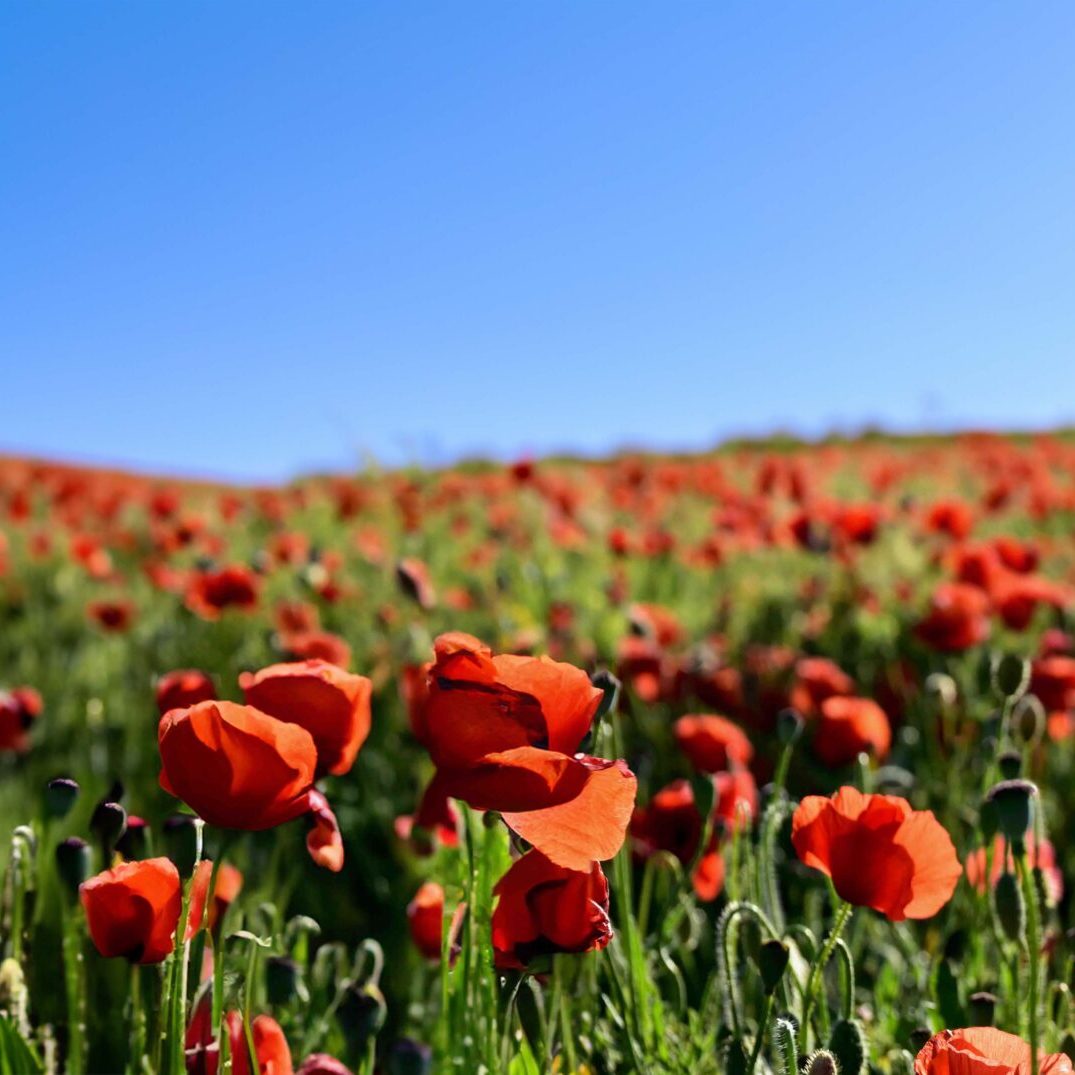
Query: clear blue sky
{"points": [[250, 238]]}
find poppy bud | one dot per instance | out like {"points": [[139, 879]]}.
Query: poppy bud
{"points": [[1012, 800], [772, 961], [1011, 675], [283, 979], [789, 726], [361, 1015], [1010, 763], [1011, 911], [409, 1057], [108, 823], [134, 843], [942, 689], [73, 862], [918, 1038], [982, 1008], [821, 1063], [606, 682], [61, 795], [181, 842], [848, 1044], [1028, 720]]}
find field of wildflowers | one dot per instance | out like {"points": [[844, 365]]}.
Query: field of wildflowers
{"points": [[752, 762]]}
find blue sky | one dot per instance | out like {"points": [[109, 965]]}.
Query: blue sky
{"points": [[252, 238]]}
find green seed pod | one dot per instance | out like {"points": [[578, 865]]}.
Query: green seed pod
{"points": [[60, 797], [1010, 764], [1011, 911], [982, 1009], [73, 862], [772, 959], [821, 1062], [1010, 675], [1028, 720], [1012, 799], [848, 1044]]}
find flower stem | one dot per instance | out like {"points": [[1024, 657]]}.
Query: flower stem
{"points": [[814, 981]]}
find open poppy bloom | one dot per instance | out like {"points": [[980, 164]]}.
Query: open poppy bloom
{"points": [[133, 910], [958, 618], [239, 768], [849, 726], [878, 851], [1041, 855], [18, 711], [331, 704], [712, 742], [503, 732], [983, 1050], [202, 1054], [211, 592], [425, 916], [544, 908]]}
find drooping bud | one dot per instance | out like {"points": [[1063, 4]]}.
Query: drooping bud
{"points": [[772, 961], [361, 1015], [283, 977]]}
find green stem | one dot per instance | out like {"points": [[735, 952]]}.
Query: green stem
{"points": [[76, 993], [818, 968], [1033, 930], [759, 1038]]}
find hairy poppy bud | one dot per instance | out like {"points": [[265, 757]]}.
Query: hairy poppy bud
{"points": [[108, 823], [1011, 911], [982, 1008], [821, 1063], [73, 862], [848, 1044], [283, 978], [1028, 720], [1010, 675], [1012, 799], [361, 1015], [772, 959], [61, 795], [409, 1057]]}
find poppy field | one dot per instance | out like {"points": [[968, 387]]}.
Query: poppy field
{"points": [[758, 761]]}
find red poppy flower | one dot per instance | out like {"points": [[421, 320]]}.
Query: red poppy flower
{"points": [[1052, 679], [1019, 596], [951, 517], [958, 618], [202, 1053], [878, 851], [239, 768], [331, 704], [818, 678], [182, 688], [503, 731], [737, 798], [19, 709], [425, 915], [116, 616], [983, 1050], [544, 908], [850, 726], [712, 742], [210, 592], [672, 822], [133, 909]]}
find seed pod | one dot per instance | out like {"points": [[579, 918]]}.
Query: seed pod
{"points": [[1010, 675], [134, 843], [60, 796], [361, 1015], [73, 862], [982, 1008], [1012, 799], [848, 1044], [1011, 911], [409, 1057], [1011, 764]]}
